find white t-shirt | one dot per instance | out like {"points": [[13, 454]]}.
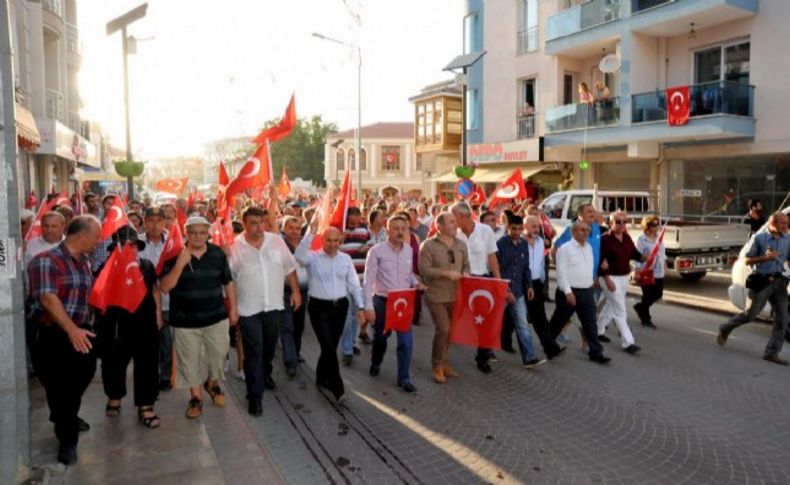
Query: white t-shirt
{"points": [[480, 244], [259, 273]]}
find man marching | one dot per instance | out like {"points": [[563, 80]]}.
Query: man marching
{"points": [[389, 267]]}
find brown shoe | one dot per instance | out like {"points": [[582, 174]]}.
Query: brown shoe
{"points": [[449, 371], [775, 359], [217, 396], [721, 338], [194, 408], [438, 375]]}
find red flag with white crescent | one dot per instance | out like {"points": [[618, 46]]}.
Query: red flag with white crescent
{"points": [[512, 188], [174, 244], [221, 232], [256, 172], [172, 186], [114, 219], [477, 315], [478, 196], [323, 213], [35, 228], [338, 219], [120, 283], [281, 129], [400, 310], [678, 105]]}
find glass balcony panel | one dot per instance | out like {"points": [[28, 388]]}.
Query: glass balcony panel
{"points": [[718, 97], [604, 112], [528, 40], [54, 6], [640, 5], [581, 17], [55, 105]]}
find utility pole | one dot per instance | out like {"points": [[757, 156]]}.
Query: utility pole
{"points": [[14, 397]]}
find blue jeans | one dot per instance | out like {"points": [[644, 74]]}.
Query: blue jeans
{"points": [[405, 341], [518, 312], [350, 329]]}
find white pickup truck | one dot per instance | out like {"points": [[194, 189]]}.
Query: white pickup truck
{"points": [[692, 248]]}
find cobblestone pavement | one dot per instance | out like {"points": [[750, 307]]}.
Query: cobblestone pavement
{"points": [[684, 411]]}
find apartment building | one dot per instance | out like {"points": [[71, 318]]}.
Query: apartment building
{"points": [[47, 55], [728, 52]]}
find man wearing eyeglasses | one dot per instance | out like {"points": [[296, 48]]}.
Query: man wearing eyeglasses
{"points": [[617, 252]]}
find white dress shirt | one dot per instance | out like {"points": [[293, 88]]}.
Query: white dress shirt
{"points": [[37, 246], [259, 273], [480, 244], [537, 261], [329, 277], [574, 266]]}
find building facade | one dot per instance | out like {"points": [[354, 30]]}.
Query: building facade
{"points": [[233, 152], [387, 159], [727, 52]]}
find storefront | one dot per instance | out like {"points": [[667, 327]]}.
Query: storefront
{"points": [[62, 151], [28, 141]]}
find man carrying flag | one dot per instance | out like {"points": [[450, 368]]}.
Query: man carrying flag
{"points": [[388, 269], [511, 189]]}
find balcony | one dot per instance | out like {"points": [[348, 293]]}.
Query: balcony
{"points": [[581, 116], [73, 46], [714, 98], [668, 18], [577, 31], [528, 40], [54, 106], [525, 126], [54, 6]]}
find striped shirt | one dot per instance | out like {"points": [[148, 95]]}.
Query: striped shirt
{"points": [[354, 242], [58, 272]]}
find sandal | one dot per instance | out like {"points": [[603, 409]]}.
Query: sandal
{"points": [[148, 421], [112, 411]]}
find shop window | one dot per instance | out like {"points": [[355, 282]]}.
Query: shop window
{"points": [[390, 158]]}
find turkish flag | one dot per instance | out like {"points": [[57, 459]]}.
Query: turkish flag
{"points": [[323, 214], [678, 105], [477, 315], [35, 229], [338, 219], [114, 219], [173, 247], [61, 199], [478, 196], [512, 188], [284, 188], [281, 129], [120, 283], [223, 208], [257, 171], [222, 232], [172, 186], [400, 310], [181, 216], [31, 200]]}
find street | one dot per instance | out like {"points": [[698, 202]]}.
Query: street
{"points": [[682, 411]]}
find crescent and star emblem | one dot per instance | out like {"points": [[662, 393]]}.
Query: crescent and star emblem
{"points": [[129, 281], [509, 191], [118, 213], [256, 168], [397, 302], [676, 100], [479, 319]]}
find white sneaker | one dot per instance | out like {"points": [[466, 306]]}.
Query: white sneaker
{"points": [[240, 374], [227, 365]]}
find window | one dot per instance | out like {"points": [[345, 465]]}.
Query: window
{"points": [[472, 109], [472, 39], [528, 26], [729, 62], [340, 160], [390, 158], [352, 160], [576, 201], [363, 159], [554, 206], [567, 89], [525, 117]]}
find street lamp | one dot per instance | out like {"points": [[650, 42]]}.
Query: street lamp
{"points": [[359, 106], [120, 23]]}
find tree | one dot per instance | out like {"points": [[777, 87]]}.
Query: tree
{"points": [[302, 152]]}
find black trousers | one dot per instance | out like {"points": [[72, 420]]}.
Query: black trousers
{"points": [[259, 338], [328, 319], [65, 374], [166, 350], [536, 314], [120, 342], [650, 295], [585, 309]]}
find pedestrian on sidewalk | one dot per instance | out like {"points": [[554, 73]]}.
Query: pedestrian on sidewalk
{"points": [[575, 292], [292, 326], [651, 293], [443, 260], [259, 262], [536, 310], [122, 336], [355, 244], [197, 280], [769, 252], [334, 291], [389, 267], [617, 252], [513, 257], [62, 354], [481, 244]]}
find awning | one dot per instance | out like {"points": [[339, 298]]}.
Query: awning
{"points": [[494, 174], [26, 130], [98, 176]]}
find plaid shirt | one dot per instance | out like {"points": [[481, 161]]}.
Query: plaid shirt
{"points": [[57, 271]]}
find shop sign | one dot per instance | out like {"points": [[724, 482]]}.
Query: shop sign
{"points": [[689, 193], [515, 151], [58, 139]]}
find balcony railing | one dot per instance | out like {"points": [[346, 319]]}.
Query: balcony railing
{"points": [[72, 39], [581, 17], [54, 6], [525, 126], [603, 112], [528, 40], [640, 5], [717, 97], [54, 106]]}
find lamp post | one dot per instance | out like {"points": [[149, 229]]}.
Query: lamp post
{"points": [[121, 23], [359, 107]]}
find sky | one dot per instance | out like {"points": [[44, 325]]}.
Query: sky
{"points": [[220, 68]]}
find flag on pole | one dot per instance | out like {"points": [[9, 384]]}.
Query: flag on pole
{"points": [[254, 173], [281, 129], [114, 219], [338, 219], [221, 232], [173, 247], [400, 310], [223, 208], [512, 188], [171, 185], [120, 283], [323, 213], [284, 188], [478, 311]]}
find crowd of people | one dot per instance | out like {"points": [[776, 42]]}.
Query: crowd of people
{"points": [[283, 263]]}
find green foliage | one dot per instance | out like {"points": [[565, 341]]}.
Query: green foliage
{"points": [[126, 168], [302, 152]]}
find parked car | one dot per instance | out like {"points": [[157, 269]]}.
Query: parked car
{"points": [[692, 247]]}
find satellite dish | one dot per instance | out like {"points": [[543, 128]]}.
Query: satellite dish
{"points": [[609, 63]]}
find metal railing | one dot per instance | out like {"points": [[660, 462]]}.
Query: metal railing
{"points": [[73, 121], [578, 116], [54, 105], [717, 97], [581, 17], [525, 126], [54, 6], [73, 39], [528, 40], [641, 5]]}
